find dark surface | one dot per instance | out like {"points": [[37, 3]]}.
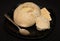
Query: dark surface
{"points": [[6, 5]]}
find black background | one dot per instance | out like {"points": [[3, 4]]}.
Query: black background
{"points": [[6, 5]]}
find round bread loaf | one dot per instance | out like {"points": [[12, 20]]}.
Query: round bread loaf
{"points": [[25, 14]]}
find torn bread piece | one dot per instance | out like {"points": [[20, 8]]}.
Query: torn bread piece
{"points": [[45, 13], [42, 23]]}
